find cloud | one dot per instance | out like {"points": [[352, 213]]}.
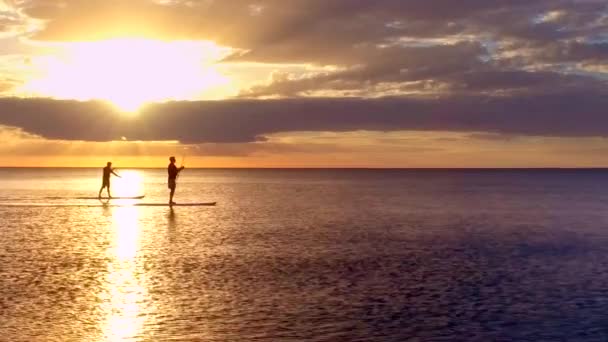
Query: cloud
{"points": [[513, 67], [575, 52], [340, 32], [372, 66], [574, 113], [21, 144], [279, 23], [324, 149]]}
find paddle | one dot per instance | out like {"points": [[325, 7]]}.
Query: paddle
{"points": [[181, 166]]}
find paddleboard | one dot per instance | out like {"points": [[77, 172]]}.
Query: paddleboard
{"points": [[120, 198], [63, 205], [96, 198], [176, 205]]}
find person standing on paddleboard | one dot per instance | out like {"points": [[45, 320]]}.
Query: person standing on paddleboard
{"points": [[173, 172], [107, 172]]}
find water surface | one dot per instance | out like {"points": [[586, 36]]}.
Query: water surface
{"points": [[306, 255]]}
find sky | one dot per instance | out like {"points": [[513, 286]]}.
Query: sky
{"points": [[304, 83]]}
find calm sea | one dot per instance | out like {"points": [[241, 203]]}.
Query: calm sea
{"points": [[305, 255]]}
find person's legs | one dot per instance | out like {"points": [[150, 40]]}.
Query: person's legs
{"points": [[103, 186], [172, 186], [171, 195], [109, 195]]}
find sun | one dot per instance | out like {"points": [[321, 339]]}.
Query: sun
{"points": [[130, 72]]}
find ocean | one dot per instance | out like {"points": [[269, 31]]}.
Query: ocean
{"points": [[305, 255]]}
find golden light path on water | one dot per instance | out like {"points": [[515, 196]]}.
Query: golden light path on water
{"points": [[125, 291]]}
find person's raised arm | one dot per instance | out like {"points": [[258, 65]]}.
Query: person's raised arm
{"points": [[115, 174]]}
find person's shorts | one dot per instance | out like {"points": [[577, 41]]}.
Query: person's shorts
{"points": [[106, 182], [172, 184]]}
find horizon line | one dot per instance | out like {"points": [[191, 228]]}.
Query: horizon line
{"points": [[324, 168]]}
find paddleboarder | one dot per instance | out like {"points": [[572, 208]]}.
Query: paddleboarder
{"points": [[173, 172], [105, 183]]}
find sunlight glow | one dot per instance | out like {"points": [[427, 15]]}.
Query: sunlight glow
{"points": [[124, 292], [129, 184], [130, 72]]}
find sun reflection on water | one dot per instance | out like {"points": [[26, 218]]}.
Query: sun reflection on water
{"points": [[125, 291], [129, 184]]}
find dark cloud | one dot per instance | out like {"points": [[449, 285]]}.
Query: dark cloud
{"points": [[308, 23], [496, 66], [390, 44], [337, 32], [434, 70], [525, 82], [391, 64], [226, 20], [575, 113], [574, 52]]}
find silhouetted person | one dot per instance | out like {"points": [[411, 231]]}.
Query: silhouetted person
{"points": [[173, 172], [107, 172]]}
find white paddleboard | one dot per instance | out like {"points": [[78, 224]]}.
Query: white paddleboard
{"points": [[96, 198], [63, 205]]}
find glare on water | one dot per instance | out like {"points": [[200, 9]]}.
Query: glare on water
{"points": [[129, 184], [124, 289]]}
